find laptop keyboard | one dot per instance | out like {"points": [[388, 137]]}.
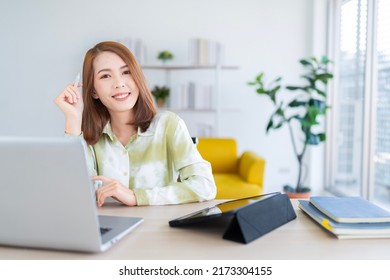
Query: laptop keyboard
{"points": [[104, 230]]}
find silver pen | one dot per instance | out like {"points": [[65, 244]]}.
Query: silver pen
{"points": [[77, 80]]}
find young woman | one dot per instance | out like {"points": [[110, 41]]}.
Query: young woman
{"points": [[142, 158]]}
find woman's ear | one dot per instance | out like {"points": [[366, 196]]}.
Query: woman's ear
{"points": [[94, 94]]}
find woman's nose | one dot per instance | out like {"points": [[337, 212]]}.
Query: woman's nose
{"points": [[119, 83]]}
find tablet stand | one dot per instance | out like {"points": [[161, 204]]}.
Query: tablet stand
{"points": [[259, 218]]}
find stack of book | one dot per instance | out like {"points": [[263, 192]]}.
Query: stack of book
{"points": [[205, 52], [195, 96], [348, 217], [136, 46]]}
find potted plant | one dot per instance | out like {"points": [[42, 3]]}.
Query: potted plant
{"points": [[165, 56], [160, 93], [304, 108]]}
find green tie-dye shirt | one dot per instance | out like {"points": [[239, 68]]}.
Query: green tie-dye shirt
{"points": [[161, 165]]}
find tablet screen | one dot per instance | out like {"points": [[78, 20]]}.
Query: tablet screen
{"points": [[223, 209]]}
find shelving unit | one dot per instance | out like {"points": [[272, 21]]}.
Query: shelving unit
{"points": [[188, 114], [188, 67]]}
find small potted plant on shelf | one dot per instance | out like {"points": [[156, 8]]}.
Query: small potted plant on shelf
{"points": [[165, 56], [160, 94], [305, 109]]}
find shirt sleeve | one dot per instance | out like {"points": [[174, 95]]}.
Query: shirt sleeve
{"points": [[196, 182]]}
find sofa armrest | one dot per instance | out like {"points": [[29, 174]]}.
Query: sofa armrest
{"points": [[251, 168]]}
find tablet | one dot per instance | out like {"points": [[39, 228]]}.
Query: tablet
{"points": [[228, 208]]}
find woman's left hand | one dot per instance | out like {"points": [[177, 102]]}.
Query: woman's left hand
{"points": [[116, 190]]}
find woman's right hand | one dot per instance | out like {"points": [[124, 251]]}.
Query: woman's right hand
{"points": [[70, 101], [71, 104]]}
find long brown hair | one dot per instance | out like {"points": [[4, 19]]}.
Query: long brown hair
{"points": [[95, 114]]}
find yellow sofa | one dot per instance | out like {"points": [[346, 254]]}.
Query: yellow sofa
{"points": [[235, 176]]}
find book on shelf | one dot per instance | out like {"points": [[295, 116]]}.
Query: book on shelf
{"points": [[136, 46], [194, 96], [345, 230], [350, 209], [205, 52]]}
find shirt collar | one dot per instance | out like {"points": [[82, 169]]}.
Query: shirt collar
{"points": [[108, 131]]}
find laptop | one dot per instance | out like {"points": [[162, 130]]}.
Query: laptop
{"points": [[47, 198]]}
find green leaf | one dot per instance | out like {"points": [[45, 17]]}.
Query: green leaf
{"points": [[302, 189], [269, 125], [277, 80], [275, 89], [322, 136], [305, 62], [272, 93], [297, 103], [309, 78], [325, 60], [305, 123], [288, 188], [296, 117], [320, 92], [312, 113], [295, 88], [160, 92], [260, 91], [279, 125], [279, 111], [259, 78], [313, 139], [324, 77], [318, 104]]}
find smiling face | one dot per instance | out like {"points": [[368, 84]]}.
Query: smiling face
{"points": [[113, 83]]}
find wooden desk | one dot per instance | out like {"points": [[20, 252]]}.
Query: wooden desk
{"points": [[299, 239]]}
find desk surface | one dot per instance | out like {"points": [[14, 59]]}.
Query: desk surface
{"points": [[299, 239]]}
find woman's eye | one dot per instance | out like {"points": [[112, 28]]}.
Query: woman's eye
{"points": [[127, 72], [105, 76]]}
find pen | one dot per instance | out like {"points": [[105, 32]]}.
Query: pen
{"points": [[97, 184], [77, 80]]}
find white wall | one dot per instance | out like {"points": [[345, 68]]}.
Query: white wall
{"points": [[43, 44]]}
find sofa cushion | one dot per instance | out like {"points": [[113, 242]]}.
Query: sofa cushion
{"points": [[220, 152], [231, 186], [251, 168]]}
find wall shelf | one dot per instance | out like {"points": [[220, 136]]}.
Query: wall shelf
{"points": [[188, 67], [200, 121]]}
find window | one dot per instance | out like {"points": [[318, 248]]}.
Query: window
{"points": [[382, 148], [360, 146]]}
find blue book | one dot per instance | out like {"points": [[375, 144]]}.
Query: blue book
{"points": [[350, 209], [345, 230]]}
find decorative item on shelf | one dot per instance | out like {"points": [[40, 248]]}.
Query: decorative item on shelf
{"points": [[205, 52], [160, 93], [305, 109], [164, 56], [136, 46]]}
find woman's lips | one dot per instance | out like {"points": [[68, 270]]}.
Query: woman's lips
{"points": [[121, 96]]}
